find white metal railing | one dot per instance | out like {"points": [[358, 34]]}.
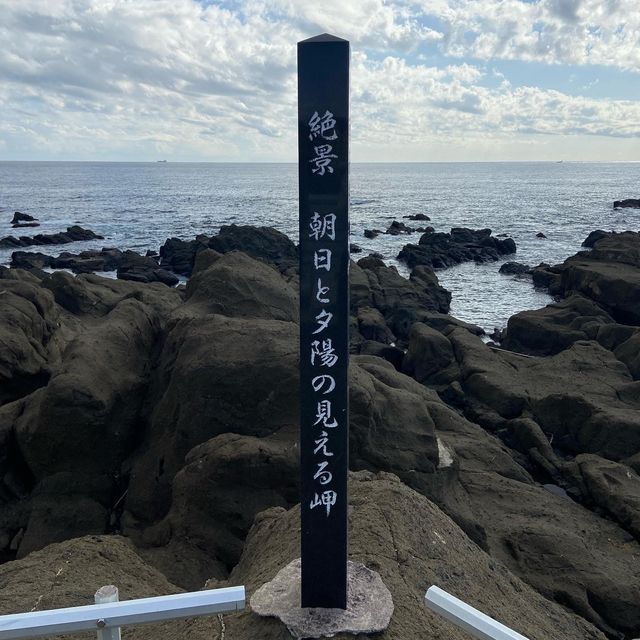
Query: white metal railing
{"points": [[108, 615], [466, 617]]}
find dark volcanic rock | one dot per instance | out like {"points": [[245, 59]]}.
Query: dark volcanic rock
{"points": [[372, 233], [614, 488], [179, 255], [583, 396], [400, 301], [593, 237], [263, 243], [412, 544], [430, 358], [64, 506], [28, 319], [139, 268], [84, 262], [72, 234], [418, 216], [555, 327], [372, 326], [85, 420], [630, 203], [355, 248], [540, 235], [236, 285], [397, 228], [438, 250], [545, 276], [514, 268], [609, 274], [208, 364], [22, 217], [129, 265], [224, 483]]}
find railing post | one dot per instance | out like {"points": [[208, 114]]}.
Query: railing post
{"points": [[108, 593]]}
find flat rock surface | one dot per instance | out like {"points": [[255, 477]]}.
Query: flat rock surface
{"points": [[369, 604]]}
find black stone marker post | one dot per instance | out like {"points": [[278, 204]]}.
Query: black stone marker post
{"points": [[323, 145]]}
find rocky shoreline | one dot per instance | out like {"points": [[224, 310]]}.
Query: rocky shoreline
{"points": [[149, 433]]}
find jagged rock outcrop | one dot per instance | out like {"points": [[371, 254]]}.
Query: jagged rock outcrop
{"points": [[72, 234], [630, 203], [413, 545], [438, 250], [400, 301], [262, 243], [28, 318]]}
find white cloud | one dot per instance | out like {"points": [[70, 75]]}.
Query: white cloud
{"points": [[598, 32], [174, 78]]}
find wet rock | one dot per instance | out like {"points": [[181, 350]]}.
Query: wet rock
{"points": [[372, 233], [355, 248], [23, 225], [179, 255], [629, 203], [397, 228], [593, 237], [22, 217], [540, 235], [514, 268], [547, 277], [72, 234], [418, 216], [438, 250]]}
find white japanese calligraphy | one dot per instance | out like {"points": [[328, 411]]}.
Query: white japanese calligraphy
{"points": [[322, 126], [324, 352], [323, 159], [323, 319], [323, 415], [322, 259], [323, 226], [322, 475], [327, 498], [323, 381], [321, 445], [321, 291]]}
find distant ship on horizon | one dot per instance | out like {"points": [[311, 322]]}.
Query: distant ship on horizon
{"points": [[160, 160]]}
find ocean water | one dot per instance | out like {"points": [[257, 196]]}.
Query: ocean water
{"points": [[138, 205]]}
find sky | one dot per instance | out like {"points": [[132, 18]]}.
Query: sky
{"points": [[431, 80]]}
